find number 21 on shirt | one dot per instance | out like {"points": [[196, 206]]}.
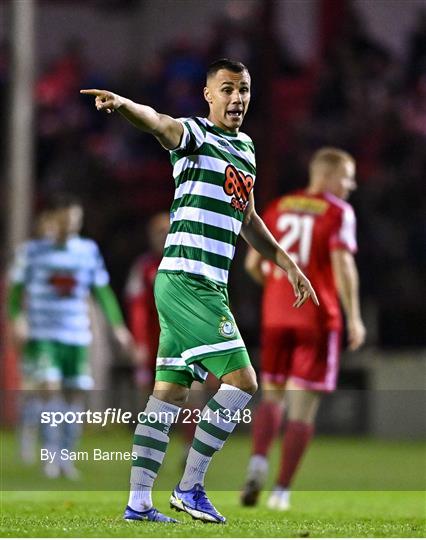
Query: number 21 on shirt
{"points": [[297, 237]]}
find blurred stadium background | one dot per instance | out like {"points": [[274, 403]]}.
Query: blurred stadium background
{"points": [[335, 72]]}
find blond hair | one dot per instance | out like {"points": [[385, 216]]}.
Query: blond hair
{"points": [[330, 157]]}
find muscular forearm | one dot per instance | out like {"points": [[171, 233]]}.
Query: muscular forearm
{"points": [[166, 129], [256, 234], [141, 116], [348, 287], [346, 275]]}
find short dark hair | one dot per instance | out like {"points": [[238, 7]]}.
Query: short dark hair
{"points": [[59, 201], [225, 63]]}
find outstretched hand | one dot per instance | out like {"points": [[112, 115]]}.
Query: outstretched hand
{"points": [[302, 287], [104, 100]]}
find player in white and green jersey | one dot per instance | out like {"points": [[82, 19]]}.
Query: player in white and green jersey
{"points": [[214, 171], [50, 282]]}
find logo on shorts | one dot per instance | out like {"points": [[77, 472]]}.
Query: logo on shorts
{"points": [[227, 328]]}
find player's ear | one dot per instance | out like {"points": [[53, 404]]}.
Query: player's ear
{"points": [[207, 95]]}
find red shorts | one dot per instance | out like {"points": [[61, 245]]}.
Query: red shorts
{"points": [[309, 358]]}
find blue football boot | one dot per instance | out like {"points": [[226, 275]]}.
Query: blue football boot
{"points": [[195, 503], [148, 515]]}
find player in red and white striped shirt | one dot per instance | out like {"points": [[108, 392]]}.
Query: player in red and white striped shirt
{"points": [[300, 348]]}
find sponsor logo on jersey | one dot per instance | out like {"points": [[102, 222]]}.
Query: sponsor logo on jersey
{"points": [[63, 283], [239, 186], [222, 142], [299, 203], [227, 328]]}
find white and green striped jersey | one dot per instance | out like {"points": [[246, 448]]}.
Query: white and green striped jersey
{"points": [[57, 280], [214, 173]]}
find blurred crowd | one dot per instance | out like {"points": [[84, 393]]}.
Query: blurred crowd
{"points": [[356, 95]]}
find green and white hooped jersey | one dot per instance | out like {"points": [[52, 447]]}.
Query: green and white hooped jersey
{"points": [[214, 173], [57, 282]]}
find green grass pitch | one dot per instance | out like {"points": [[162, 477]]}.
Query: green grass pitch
{"points": [[347, 487]]}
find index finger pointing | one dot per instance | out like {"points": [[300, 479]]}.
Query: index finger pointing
{"points": [[92, 92], [313, 296]]}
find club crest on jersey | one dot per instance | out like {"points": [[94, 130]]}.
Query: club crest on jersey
{"points": [[239, 186], [227, 328]]}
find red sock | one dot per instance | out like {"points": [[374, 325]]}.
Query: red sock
{"points": [[266, 424], [296, 439]]}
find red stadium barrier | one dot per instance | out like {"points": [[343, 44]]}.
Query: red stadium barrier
{"points": [[9, 373]]}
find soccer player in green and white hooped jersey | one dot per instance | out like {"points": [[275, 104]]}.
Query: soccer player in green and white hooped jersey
{"points": [[50, 281], [214, 171]]}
